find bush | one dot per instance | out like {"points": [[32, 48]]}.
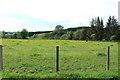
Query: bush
{"points": [[57, 36], [103, 40], [113, 37], [35, 36], [63, 37], [93, 36]]}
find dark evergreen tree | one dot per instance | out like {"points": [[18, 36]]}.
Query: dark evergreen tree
{"points": [[111, 27], [96, 28]]}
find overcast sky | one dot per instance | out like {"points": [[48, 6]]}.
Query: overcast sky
{"points": [[42, 15]]}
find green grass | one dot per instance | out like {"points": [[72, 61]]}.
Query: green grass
{"points": [[0, 75], [78, 59]]}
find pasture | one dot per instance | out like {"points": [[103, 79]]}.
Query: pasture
{"points": [[77, 59]]}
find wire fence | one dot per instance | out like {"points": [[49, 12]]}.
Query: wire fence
{"points": [[28, 59], [0, 37]]}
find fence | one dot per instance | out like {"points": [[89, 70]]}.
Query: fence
{"points": [[1, 65], [57, 59], [107, 59]]}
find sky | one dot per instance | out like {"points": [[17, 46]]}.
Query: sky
{"points": [[44, 15]]}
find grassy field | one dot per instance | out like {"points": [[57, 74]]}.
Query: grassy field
{"points": [[78, 59]]}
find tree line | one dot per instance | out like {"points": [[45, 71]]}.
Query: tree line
{"points": [[17, 35], [97, 31]]}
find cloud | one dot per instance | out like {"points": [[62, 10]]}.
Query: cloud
{"points": [[75, 12], [56, 10], [10, 19]]}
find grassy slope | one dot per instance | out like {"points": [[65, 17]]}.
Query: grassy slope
{"points": [[36, 58]]}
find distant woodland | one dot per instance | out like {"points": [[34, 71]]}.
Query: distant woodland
{"points": [[97, 31]]}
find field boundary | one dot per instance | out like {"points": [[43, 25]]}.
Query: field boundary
{"points": [[1, 60], [57, 58]]}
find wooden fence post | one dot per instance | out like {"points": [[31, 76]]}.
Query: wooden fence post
{"points": [[1, 65], [108, 59], [57, 58]]}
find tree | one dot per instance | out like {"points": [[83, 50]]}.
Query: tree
{"points": [[8, 36], [111, 27], [59, 27], [113, 37], [101, 23], [92, 23], [97, 28], [3, 34], [93, 36], [64, 37], [18, 35], [24, 34], [97, 22], [69, 35], [83, 35], [77, 35], [112, 22], [57, 33], [14, 36], [57, 36], [35, 36]]}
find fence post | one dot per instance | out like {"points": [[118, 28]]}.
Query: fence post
{"points": [[1, 65], [108, 59], [57, 58]]}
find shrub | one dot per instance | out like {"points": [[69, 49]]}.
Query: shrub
{"points": [[93, 36], [113, 37], [103, 40], [63, 37]]}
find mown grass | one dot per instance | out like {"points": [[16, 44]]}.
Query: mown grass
{"points": [[78, 59]]}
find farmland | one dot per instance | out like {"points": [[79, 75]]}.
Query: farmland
{"points": [[78, 59]]}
